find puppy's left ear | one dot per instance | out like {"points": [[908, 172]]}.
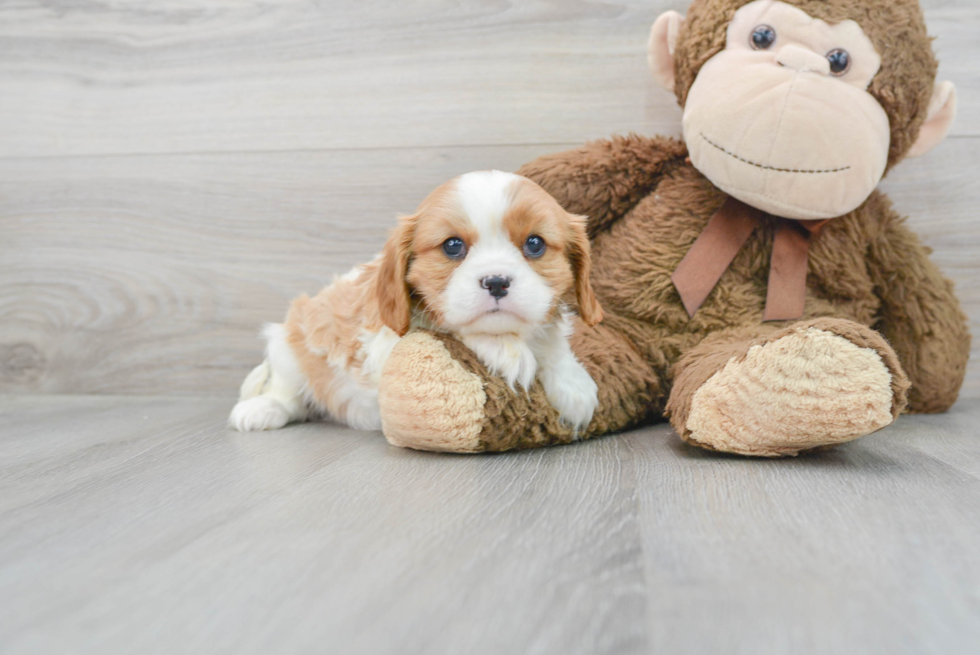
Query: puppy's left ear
{"points": [[580, 256], [391, 287]]}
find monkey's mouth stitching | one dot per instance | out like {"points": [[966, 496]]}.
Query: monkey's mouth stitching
{"points": [[770, 168]]}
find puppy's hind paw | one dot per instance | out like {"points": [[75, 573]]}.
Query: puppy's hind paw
{"points": [[259, 413]]}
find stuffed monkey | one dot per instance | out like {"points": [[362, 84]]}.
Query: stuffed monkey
{"points": [[758, 290]]}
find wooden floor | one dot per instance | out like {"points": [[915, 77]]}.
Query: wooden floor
{"points": [[143, 525], [173, 172]]}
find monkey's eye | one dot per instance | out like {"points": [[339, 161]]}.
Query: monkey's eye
{"points": [[839, 60], [534, 246], [763, 37], [454, 247]]}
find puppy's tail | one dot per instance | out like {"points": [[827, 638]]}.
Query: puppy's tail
{"points": [[255, 382]]}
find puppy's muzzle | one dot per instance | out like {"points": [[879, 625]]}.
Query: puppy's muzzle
{"points": [[496, 285]]}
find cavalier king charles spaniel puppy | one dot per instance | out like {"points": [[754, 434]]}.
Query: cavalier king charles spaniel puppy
{"points": [[488, 257]]}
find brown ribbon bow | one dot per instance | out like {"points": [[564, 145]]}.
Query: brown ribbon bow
{"points": [[719, 242]]}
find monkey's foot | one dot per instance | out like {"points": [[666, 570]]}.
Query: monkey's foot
{"points": [[815, 384], [428, 400], [435, 394]]}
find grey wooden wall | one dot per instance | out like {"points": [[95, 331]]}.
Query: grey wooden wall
{"points": [[172, 172]]}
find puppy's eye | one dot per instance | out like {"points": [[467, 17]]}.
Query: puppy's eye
{"points": [[454, 247], [534, 246], [840, 61], [763, 37]]}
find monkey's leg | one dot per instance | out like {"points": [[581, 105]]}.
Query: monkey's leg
{"points": [[775, 392], [436, 395]]}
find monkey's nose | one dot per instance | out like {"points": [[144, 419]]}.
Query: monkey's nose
{"points": [[802, 59], [497, 285]]}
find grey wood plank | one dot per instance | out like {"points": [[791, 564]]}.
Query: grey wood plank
{"points": [[317, 538], [951, 440], [119, 78], [213, 541], [153, 274], [141, 273], [866, 548]]}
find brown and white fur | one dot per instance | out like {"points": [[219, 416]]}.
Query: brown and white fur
{"points": [[326, 359]]}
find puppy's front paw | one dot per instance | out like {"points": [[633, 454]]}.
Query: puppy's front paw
{"points": [[259, 413], [572, 391]]}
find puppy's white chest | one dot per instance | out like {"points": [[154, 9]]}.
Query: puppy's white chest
{"points": [[506, 355]]}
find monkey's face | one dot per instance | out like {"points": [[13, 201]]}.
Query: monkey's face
{"points": [[781, 118]]}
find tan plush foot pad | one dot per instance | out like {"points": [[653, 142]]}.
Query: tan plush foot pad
{"points": [[436, 395], [809, 388], [428, 400]]}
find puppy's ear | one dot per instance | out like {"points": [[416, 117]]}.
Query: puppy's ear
{"points": [[579, 254], [391, 287]]}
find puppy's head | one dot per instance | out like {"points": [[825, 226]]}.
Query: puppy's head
{"points": [[487, 252]]}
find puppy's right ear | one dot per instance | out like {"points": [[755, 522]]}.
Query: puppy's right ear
{"points": [[391, 287], [580, 256]]}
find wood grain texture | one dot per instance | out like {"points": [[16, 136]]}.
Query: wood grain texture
{"points": [[298, 75], [144, 525], [106, 77], [870, 547], [127, 272], [315, 539], [153, 274]]}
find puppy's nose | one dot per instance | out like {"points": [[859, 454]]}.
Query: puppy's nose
{"points": [[497, 285]]}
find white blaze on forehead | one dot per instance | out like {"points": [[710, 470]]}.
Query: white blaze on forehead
{"points": [[485, 197]]}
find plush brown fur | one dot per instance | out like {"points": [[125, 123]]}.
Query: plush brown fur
{"points": [[646, 205]]}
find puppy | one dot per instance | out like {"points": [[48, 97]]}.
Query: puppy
{"points": [[488, 257]]}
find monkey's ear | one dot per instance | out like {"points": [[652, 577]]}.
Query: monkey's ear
{"points": [[942, 112], [660, 49]]}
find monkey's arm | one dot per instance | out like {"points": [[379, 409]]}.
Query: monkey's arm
{"points": [[920, 315], [605, 179]]}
